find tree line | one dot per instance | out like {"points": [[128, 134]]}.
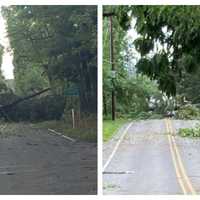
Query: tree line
{"points": [[54, 47], [167, 44]]}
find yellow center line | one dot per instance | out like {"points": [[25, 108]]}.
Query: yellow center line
{"points": [[174, 160], [179, 160], [182, 177]]}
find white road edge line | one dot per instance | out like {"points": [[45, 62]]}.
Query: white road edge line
{"points": [[60, 134], [116, 146]]}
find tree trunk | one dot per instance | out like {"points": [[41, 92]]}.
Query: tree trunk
{"points": [[23, 99]]}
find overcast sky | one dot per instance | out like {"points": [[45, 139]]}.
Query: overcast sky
{"points": [[7, 66]]}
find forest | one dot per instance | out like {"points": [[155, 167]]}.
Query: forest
{"points": [[54, 52], [156, 60]]}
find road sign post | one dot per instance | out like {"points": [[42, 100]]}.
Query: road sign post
{"points": [[73, 94], [71, 91]]}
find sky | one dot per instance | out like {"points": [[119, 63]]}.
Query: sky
{"points": [[132, 35], [7, 66]]}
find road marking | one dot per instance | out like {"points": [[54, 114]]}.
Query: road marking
{"points": [[116, 146], [60, 134], [187, 180], [174, 160], [182, 177], [119, 172]]}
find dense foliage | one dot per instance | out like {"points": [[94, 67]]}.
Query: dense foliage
{"points": [[1, 53], [134, 92], [54, 46], [188, 112], [188, 88], [190, 132], [168, 41]]}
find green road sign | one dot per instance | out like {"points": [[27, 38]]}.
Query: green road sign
{"points": [[72, 91]]}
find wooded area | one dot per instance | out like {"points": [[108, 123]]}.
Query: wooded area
{"points": [[156, 56], [54, 50]]}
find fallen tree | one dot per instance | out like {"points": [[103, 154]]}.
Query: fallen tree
{"points": [[5, 108], [23, 99]]}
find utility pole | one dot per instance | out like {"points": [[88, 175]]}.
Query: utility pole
{"points": [[110, 15]]}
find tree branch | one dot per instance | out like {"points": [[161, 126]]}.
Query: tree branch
{"points": [[23, 99]]}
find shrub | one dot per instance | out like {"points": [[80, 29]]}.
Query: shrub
{"points": [[190, 132], [188, 112]]}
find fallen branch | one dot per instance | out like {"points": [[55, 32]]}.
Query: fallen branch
{"points": [[23, 99], [60, 134]]}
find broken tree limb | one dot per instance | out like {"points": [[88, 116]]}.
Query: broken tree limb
{"points": [[23, 99]]}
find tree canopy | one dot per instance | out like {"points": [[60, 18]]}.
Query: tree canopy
{"points": [[133, 92], [56, 46], [1, 54], [168, 41]]}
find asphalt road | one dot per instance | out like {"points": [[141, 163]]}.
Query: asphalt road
{"points": [[148, 157], [33, 161]]}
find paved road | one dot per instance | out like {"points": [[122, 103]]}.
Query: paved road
{"points": [[32, 161], [152, 159]]}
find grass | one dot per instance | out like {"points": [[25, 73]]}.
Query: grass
{"points": [[110, 127], [87, 133], [110, 186]]}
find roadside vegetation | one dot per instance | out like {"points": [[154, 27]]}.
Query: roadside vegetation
{"points": [[156, 63], [190, 132], [111, 127], [87, 132]]}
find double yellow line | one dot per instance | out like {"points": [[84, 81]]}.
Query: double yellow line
{"points": [[182, 177]]}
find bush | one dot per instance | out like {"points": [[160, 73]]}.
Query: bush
{"points": [[143, 115], [190, 132], [188, 112]]}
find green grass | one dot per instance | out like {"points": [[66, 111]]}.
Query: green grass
{"points": [[110, 127], [86, 134]]}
